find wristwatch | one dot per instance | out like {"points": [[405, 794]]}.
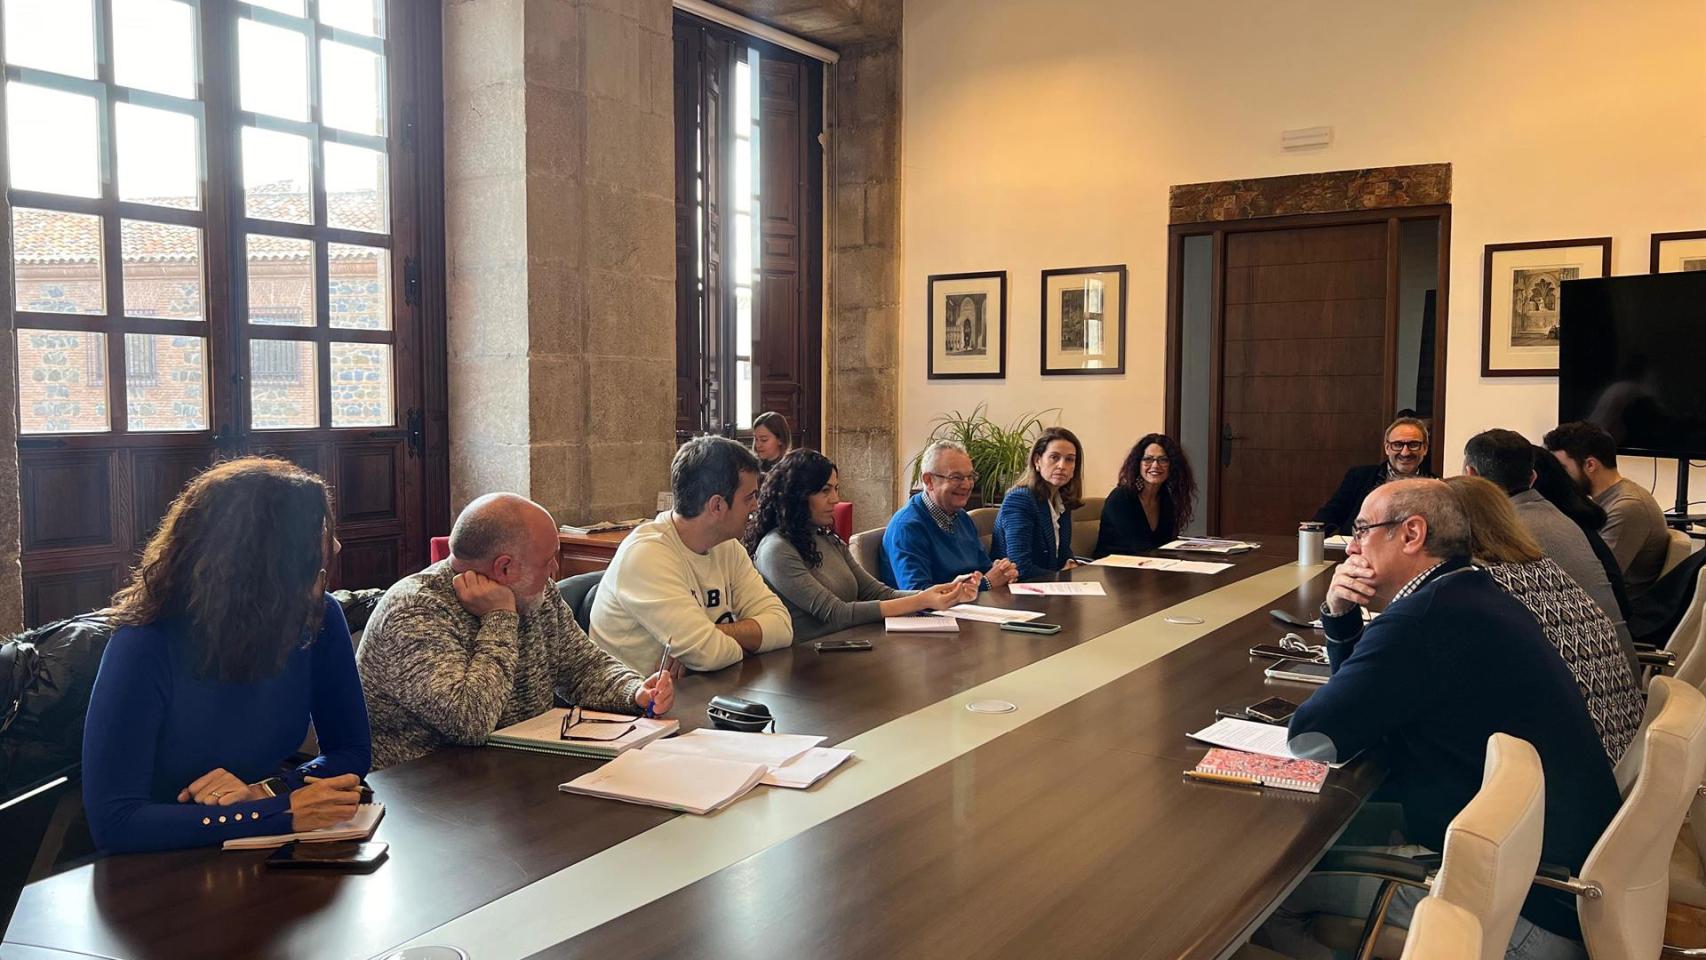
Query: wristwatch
{"points": [[273, 787]]}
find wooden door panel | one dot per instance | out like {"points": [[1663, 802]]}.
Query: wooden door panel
{"points": [[66, 501], [50, 595], [158, 477], [1303, 377], [367, 561], [369, 482]]}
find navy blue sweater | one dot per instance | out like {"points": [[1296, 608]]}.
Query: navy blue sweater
{"points": [[1025, 533], [917, 555], [1432, 678], [154, 727]]}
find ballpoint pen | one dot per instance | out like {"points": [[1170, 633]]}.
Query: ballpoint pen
{"points": [[663, 662]]}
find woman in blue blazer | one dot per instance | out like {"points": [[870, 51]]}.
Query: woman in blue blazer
{"points": [[1034, 527]]}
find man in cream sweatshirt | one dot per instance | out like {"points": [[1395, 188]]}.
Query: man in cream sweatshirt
{"points": [[685, 579]]}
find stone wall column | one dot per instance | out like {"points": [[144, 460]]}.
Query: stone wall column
{"points": [[861, 397], [11, 527], [560, 235]]}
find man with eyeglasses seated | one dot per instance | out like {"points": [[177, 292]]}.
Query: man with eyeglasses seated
{"points": [[931, 540], [1406, 456], [1452, 660]]}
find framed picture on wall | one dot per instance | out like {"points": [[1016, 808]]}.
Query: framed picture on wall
{"points": [[1519, 301], [1677, 252], [1083, 320], [966, 319]]}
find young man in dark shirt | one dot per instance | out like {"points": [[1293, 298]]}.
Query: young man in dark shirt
{"points": [[1451, 661]]}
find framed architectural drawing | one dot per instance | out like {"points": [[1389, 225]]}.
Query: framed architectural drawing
{"points": [[1519, 301], [1083, 320], [1676, 252], [967, 326]]}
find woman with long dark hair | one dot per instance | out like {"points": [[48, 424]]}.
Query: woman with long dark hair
{"points": [[1034, 527], [228, 647], [1155, 498], [1553, 482], [810, 568]]}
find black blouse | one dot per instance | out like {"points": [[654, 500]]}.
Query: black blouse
{"points": [[1125, 529]]}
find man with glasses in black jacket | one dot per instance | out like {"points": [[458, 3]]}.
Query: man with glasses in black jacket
{"points": [[1406, 446]]}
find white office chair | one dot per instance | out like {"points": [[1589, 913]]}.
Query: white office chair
{"points": [[867, 547], [983, 518], [1686, 640], [1441, 930], [1086, 526], [1624, 885], [1681, 545]]}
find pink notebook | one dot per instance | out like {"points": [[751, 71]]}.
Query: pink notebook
{"points": [[1304, 775]]}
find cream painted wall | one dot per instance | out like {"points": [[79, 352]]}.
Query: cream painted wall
{"points": [[1045, 133]]}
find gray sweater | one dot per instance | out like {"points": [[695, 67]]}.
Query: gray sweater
{"points": [[435, 674], [834, 595]]}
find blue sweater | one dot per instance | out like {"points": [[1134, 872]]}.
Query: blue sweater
{"points": [[1433, 677], [1025, 534], [917, 555], [154, 727]]}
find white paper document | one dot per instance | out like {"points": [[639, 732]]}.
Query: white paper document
{"points": [[1065, 588], [971, 611], [1251, 737], [1337, 542], [920, 625], [771, 749], [673, 781], [1163, 563], [807, 768]]}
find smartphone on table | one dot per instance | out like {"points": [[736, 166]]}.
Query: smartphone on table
{"points": [[839, 646], [1300, 671], [1271, 710], [1031, 626], [351, 856]]}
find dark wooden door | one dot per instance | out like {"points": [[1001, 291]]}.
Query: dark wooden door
{"points": [[787, 337], [1304, 380], [243, 276]]}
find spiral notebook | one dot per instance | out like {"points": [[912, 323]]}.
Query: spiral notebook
{"points": [[1304, 775]]}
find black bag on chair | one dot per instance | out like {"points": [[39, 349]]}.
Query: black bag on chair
{"points": [[45, 678]]}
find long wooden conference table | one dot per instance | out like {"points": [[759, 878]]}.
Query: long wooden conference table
{"points": [[1063, 828]]}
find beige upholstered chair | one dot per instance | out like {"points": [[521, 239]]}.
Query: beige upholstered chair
{"points": [[1681, 545], [1086, 524], [867, 547], [1624, 886], [1442, 930], [983, 518], [1492, 848], [1688, 641]]}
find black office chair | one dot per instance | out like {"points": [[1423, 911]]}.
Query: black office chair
{"points": [[25, 818], [578, 592]]}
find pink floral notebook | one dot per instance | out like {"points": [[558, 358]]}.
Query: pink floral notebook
{"points": [[1304, 775]]}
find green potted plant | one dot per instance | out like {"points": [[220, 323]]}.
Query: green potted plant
{"points": [[998, 452]]}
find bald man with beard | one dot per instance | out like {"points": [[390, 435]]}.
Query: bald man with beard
{"points": [[481, 639]]}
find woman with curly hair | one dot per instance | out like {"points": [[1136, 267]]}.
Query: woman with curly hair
{"points": [[1154, 500], [810, 568], [228, 646]]}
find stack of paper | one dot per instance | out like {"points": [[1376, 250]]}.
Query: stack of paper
{"points": [[674, 781], [1251, 737], [1209, 545], [921, 625], [359, 827], [1162, 563], [544, 734], [1063, 588], [971, 611]]}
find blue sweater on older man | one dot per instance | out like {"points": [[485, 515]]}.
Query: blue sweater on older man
{"points": [[918, 553]]}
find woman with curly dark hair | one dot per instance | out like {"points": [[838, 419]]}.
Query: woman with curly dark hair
{"points": [[228, 646], [1155, 498], [810, 568]]}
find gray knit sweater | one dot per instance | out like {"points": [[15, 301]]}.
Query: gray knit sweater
{"points": [[834, 595], [435, 675]]}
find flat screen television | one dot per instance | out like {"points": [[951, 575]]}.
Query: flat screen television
{"points": [[1632, 358]]}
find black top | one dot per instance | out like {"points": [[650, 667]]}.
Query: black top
{"points": [[1340, 512], [1613, 572], [1432, 678], [1125, 528]]}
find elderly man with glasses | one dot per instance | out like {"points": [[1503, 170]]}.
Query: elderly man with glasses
{"points": [[931, 540], [1451, 660], [1406, 448]]}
